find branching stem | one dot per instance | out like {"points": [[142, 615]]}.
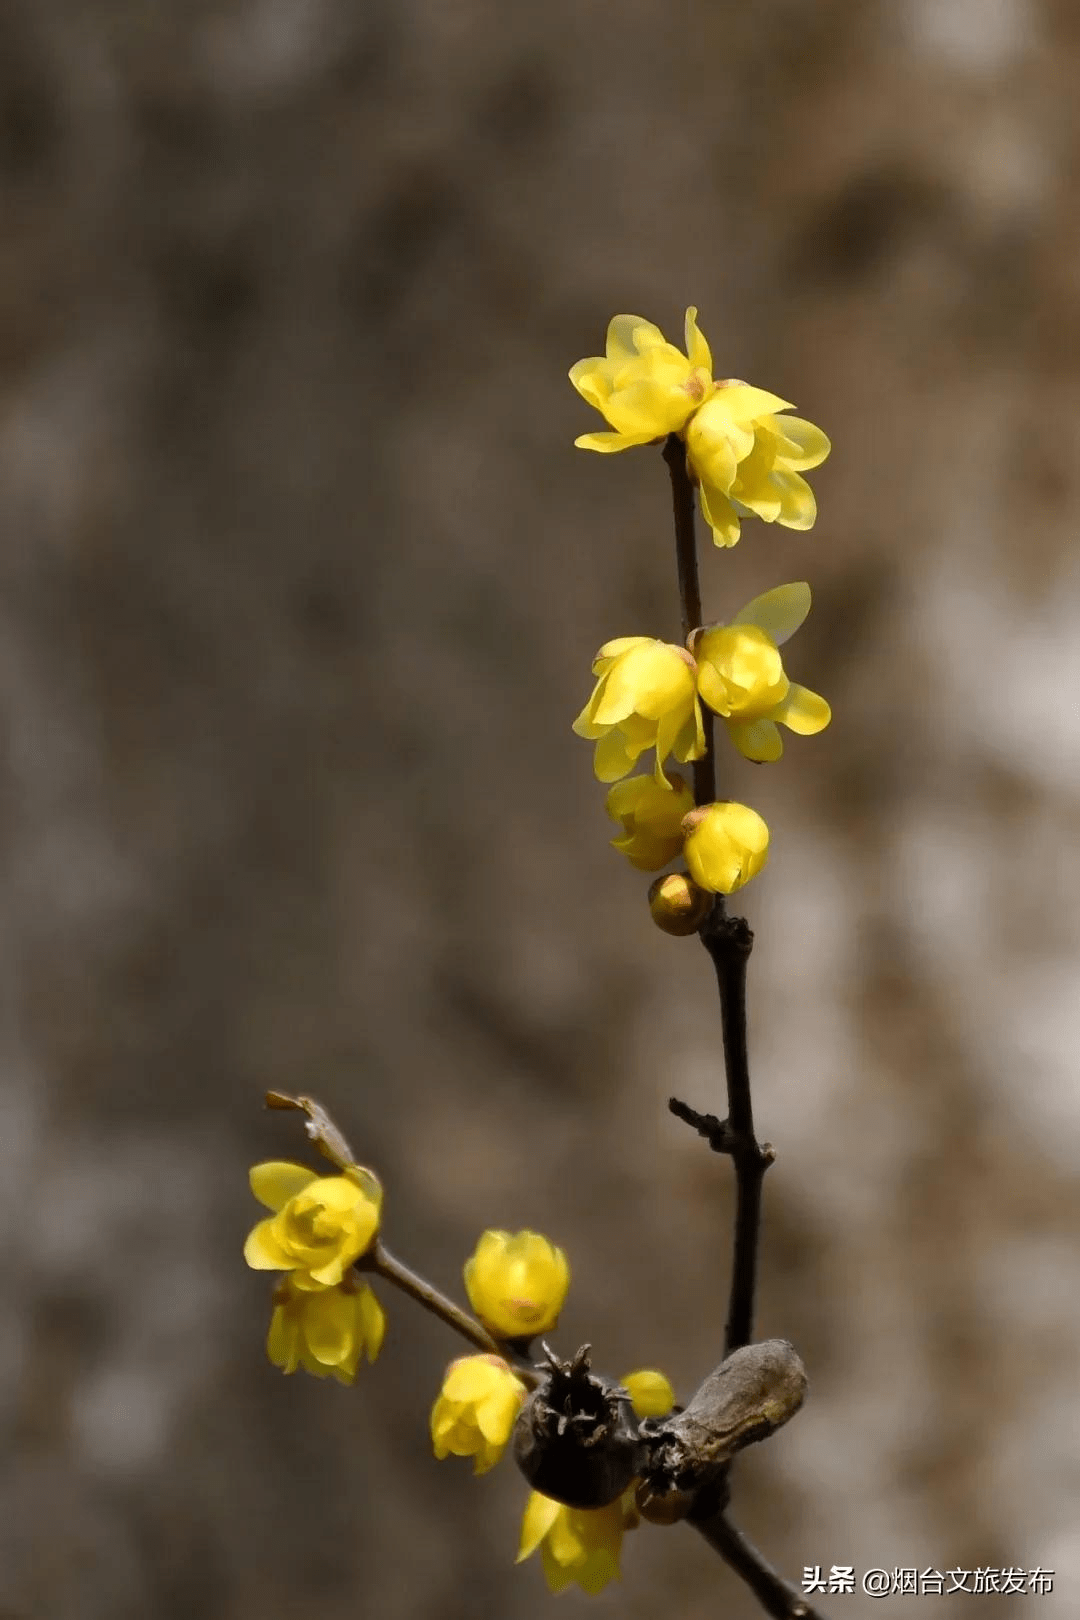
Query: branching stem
{"points": [[774, 1594]]}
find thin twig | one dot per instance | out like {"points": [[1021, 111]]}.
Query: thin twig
{"points": [[771, 1590]]}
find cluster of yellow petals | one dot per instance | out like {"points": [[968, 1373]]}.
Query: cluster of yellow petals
{"points": [[743, 450], [582, 1545], [476, 1410], [323, 1318], [645, 697], [325, 1331], [516, 1283], [741, 675]]}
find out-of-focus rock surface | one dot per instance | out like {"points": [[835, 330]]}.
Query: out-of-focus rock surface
{"points": [[300, 582]]}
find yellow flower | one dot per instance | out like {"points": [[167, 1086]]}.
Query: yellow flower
{"points": [[643, 387], [320, 1226], [576, 1544], [651, 813], [474, 1415], [650, 1392], [324, 1331], [645, 697], [517, 1284], [741, 674], [748, 458], [726, 845]]}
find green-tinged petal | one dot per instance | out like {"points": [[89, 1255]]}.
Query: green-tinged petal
{"points": [[540, 1514], [631, 335], [778, 612], [608, 443], [720, 515], [803, 711], [697, 350], [263, 1252], [276, 1181], [802, 445], [746, 404], [650, 1392], [758, 740], [798, 506]]}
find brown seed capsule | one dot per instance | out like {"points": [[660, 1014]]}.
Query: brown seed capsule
{"points": [[677, 905], [576, 1438]]}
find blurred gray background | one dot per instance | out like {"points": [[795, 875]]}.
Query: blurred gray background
{"points": [[301, 581]]}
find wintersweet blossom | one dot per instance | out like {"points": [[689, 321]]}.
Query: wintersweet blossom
{"points": [[726, 845], [749, 458], [643, 386], [517, 1283], [320, 1224], [325, 1330], [476, 1410], [579, 1545], [582, 1545], [645, 697], [651, 813], [741, 674]]}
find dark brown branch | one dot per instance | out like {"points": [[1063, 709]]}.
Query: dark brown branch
{"points": [[771, 1590], [729, 941], [682, 500]]}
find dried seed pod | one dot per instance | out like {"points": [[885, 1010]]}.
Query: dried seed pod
{"points": [[747, 1398], [577, 1439]]}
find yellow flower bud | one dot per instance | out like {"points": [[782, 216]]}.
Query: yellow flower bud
{"points": [[650, 1392], [677, 905], [320, 1226], [324, 1331], [726, 845], [651, 813], [475, 1413], [645, 697], [517, 1283]]}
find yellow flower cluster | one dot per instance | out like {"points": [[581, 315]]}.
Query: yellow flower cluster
{"points": [[517, 1284], [746, 455], [324, 1318]]}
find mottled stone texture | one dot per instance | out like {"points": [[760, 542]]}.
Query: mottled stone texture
{"points": [[300, 581]]}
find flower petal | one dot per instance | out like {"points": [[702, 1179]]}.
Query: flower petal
{"points": [[697, 350], [798, 505], [758, 740], [720, 515], [540, 1514], [803, 711], [631, 335], [606, 443], [802, 445], [778, 612], [276, 1181], [263, 1252]]}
